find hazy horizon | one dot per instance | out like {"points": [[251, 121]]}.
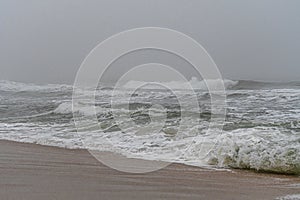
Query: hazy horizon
{"points": [[46, 41]]}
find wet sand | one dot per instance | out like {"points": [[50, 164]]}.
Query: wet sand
{"points": [[34, 172]]}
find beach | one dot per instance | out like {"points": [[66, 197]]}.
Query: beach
{"points": [[31, 171], [150, 100]]}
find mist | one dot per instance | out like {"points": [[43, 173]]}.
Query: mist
{"points": [[46, 41]]}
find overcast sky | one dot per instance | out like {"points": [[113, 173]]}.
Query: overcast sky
{"points": [[46, 41]]}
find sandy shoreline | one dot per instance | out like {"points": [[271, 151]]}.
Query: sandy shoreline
{"points": [[29, 171]]}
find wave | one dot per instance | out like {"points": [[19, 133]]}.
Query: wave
{"points": [[259, 148], [67, 108], [256, 85], [201, 84], [179, 85], [289, 197], [12, 86]]}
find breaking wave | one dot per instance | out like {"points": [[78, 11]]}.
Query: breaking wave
{"points": [[11, 86], [178, 85]]}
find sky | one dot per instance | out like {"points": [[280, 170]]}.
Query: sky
{"points": [[46, 41]]}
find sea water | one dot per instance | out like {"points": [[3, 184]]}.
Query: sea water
{"points": [[261, 129]]}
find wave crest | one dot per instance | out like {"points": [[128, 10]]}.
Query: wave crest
{"points": [[180, 85], [11, 86]]}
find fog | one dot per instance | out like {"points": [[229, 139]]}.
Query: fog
{"points": [[46, 41]]}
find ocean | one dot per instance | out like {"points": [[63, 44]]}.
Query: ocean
{"points": [[261, 129]]}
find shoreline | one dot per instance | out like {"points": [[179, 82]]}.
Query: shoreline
{"points": [[250, 170], [33, 171]]}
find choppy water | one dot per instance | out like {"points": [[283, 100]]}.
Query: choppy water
{"points": [[262, 128]]}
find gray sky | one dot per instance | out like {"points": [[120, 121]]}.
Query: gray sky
{"points": [[46, 41]]}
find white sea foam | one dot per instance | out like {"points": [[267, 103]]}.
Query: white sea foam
{"points": [[17, 86], [67, 108], [179, 85], [259, 148], [251, 149], [289, 197]]}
